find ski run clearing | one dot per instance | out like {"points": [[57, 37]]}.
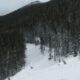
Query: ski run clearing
{"points": [[38, 67]]}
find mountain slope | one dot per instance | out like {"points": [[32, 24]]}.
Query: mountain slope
{"points": [[38, 67]]}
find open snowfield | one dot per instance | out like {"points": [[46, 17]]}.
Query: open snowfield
{"points": [[38, 67]]}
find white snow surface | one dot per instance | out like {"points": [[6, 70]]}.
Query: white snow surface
{"points": [[38, 67]]}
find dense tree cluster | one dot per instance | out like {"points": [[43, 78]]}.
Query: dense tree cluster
{"points": [[12, 55], [56, 23]]}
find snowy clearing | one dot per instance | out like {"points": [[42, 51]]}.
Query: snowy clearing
{"points": [[38, 67]]}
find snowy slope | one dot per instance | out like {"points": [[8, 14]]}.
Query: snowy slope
{"points": [[38, 67]]}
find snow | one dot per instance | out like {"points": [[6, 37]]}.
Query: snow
{"points": [[38, 67], [8, 6]]}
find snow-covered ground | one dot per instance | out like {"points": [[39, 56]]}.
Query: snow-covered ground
{"points": [[38, 67]]}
